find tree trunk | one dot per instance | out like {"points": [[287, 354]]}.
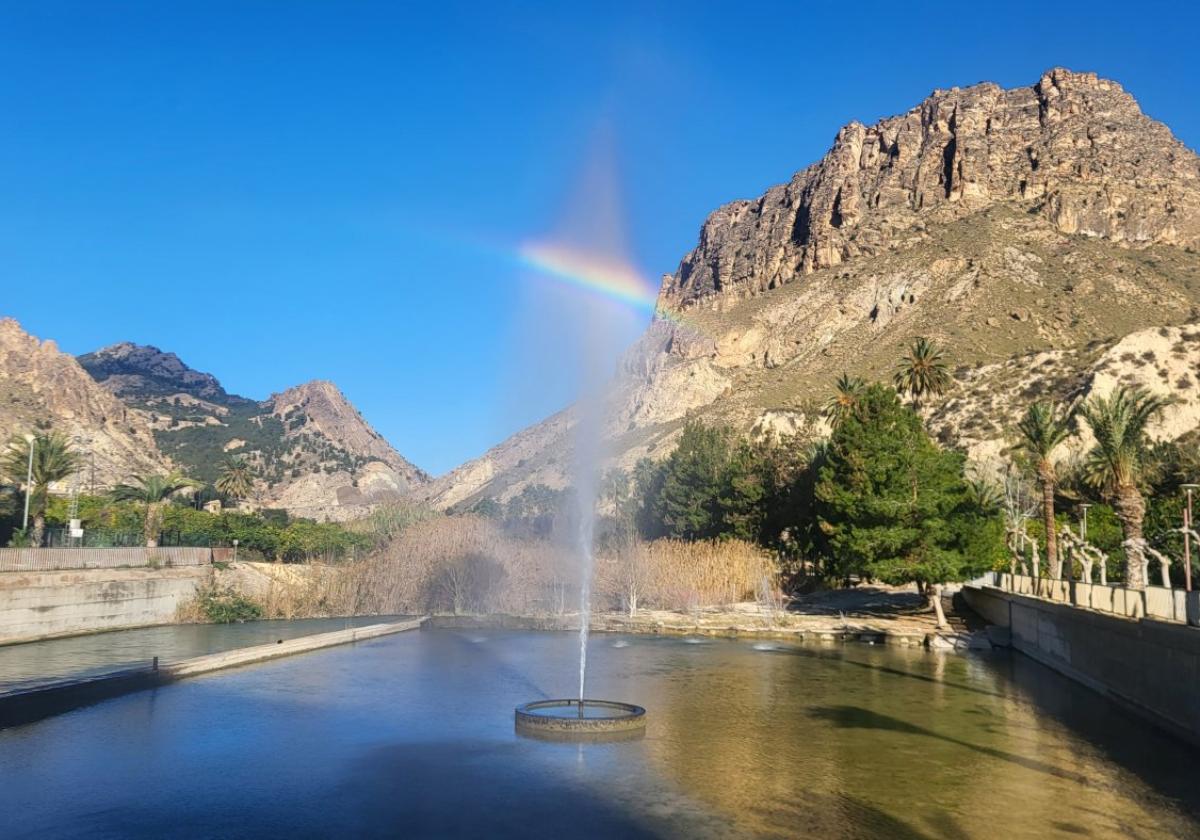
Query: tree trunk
{"points": [[150, 530], [1131, 510], [1046, 477], [39, 530], [934, 592]]}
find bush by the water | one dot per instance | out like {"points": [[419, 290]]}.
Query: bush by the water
{"points": [[221, 606]]}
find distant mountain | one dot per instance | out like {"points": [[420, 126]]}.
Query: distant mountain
{"points": [[1052, 228], [314, 453]]}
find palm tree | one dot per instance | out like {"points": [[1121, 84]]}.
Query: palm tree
{"points": [[237, 479], [54, 459], [152, 491], [1042, 430], [922, 372], [1117, 464], [847, 392]]}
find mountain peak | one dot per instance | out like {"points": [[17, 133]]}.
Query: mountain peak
{"points": [[1073, 148], [140, 371]]}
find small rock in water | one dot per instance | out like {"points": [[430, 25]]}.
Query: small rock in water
{"points": [[765, 646], [620, 643]]}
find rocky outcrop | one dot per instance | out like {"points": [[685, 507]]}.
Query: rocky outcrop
{"points": [[138, 371], [1073, 148], [40, 387]]}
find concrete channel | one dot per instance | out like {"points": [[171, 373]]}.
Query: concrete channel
{"points": [[27, 705]]}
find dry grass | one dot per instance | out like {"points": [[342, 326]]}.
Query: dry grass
{"points": [[679, 575], [466, 564]]}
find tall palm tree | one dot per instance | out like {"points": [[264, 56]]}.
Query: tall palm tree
{"points": [[153, 491], [1117, 464], [54, 459], [236, 479], [922, 371], [1042, 430], [846, 394]]}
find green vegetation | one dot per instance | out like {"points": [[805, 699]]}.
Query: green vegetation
{"points": [[53, 460], [1117, 464], [895, 505], [225, 606], [152, 492], [922, 372], [1042, 429], [236, 480]]}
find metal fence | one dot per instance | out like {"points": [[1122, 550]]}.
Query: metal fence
{"points": [[106, 538], [65, 559], [1155, 602]]}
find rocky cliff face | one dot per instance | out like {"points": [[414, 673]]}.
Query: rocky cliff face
{"points": [[42, 387], [1073, 148], [1006, 224], [315, 454], [137, 371]]}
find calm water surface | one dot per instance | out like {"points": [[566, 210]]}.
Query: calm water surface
{"points": [[412, 735], [54, 659]]}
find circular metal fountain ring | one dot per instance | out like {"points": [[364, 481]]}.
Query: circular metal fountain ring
{"points": [[566, 718]]}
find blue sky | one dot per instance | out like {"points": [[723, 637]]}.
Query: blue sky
{"points": [[294, 190]]}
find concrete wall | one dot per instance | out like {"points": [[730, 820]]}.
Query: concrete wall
{"points": [[36, 605], [1152, 667]]}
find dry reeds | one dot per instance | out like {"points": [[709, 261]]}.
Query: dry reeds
{"points": [[468, 564]]}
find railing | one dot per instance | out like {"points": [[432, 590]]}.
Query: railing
{"points": [[65, 559], [107, 538], [1155, 602]]}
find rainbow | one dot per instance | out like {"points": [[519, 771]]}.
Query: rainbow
{"points": [[596, 273]]}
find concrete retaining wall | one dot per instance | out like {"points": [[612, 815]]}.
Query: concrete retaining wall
{"points": [[1149, 666], [37, 605]]}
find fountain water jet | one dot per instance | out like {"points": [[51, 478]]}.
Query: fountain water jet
{"points": [[588, 256]]}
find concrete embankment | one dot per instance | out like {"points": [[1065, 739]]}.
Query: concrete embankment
{"points": [[42, 605], [1151, 667], [31, 704]]}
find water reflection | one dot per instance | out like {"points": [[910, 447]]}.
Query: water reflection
{"points": [[412, 735]]}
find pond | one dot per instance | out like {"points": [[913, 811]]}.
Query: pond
{"points": [[412, 735]]}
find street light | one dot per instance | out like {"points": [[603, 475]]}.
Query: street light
{"points": [[28, 481], [1083, 525], [235, 551], [1187, 538]]}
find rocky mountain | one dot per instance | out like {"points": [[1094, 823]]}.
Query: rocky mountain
{"points": [[43, 388], [314, 453], [1043, 234]]}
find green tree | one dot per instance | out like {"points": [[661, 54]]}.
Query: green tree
{"points": [[152, 492], [895, 506], [1117, 464], [688, 503], [922, 372], [236, 480], [1042, 429], [54, 460], [847, 390]]}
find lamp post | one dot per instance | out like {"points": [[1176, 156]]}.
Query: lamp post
{"points": [[1083, 523], [30, 439], [235, 542], [1187, 538]]}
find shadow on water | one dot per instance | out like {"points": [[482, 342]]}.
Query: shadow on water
{"points": [[884, 669], [460, 789], [855, 717]]}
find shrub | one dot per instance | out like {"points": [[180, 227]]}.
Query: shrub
{"points": [[224, 606]]}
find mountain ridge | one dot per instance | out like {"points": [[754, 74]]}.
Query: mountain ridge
{"points": [[1002, 223]]}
